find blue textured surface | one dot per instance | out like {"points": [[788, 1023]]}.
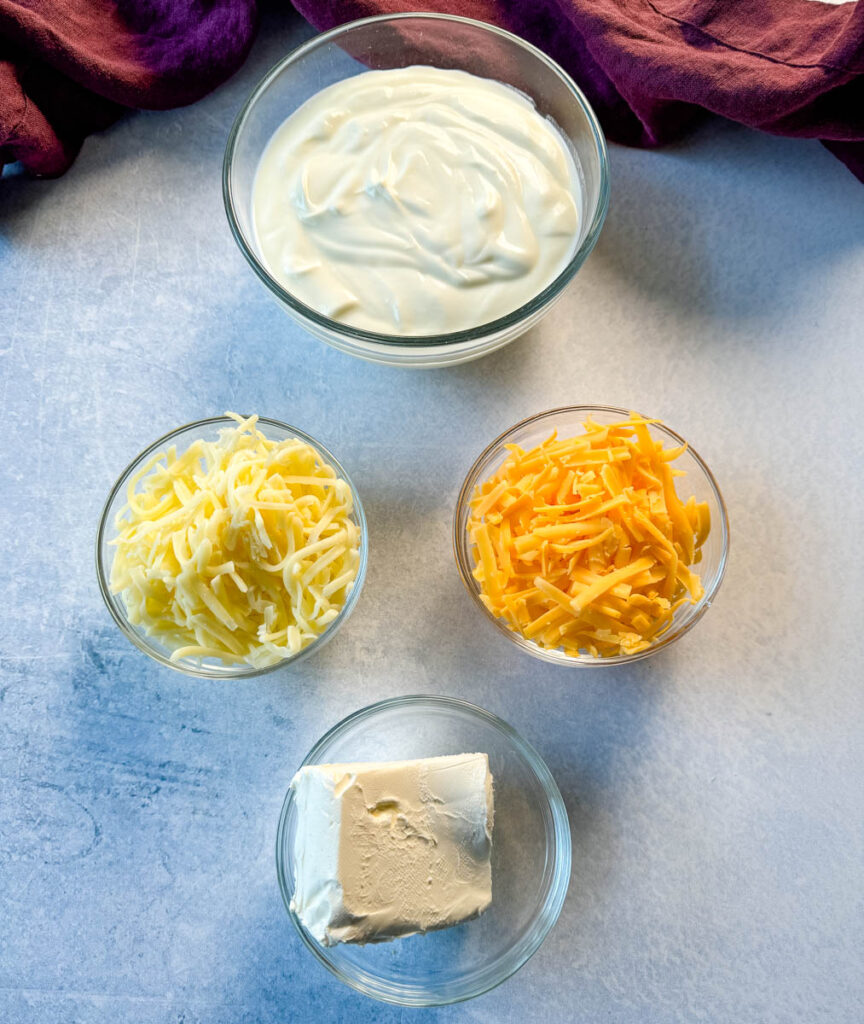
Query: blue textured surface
{"points": [[715, 792]]}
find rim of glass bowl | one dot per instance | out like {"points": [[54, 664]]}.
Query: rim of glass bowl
{"points": [[481, 331], [114, 601], [556, 869], [461, 547]]}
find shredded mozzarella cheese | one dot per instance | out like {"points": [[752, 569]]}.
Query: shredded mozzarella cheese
{"points": [[242, 549]]}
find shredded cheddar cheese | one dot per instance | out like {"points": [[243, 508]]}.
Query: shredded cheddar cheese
{"points": [[242, 549], [582, 544]]}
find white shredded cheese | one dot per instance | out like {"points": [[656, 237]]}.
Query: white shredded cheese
{"points": [[243, 549]]}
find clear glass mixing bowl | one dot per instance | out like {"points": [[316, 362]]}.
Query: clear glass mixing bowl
{"points": [[182, 437], [396, 41], [568, 422], [530, 854]]}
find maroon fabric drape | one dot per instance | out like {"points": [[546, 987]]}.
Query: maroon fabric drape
{"points": [[651, 67], [70, 67]]}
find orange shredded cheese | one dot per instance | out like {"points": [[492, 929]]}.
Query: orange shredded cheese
{"points": [[582, 544]]}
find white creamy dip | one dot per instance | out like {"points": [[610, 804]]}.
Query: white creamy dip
{"points": [[416, 201]]}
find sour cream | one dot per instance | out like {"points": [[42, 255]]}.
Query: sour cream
{"points": [[416, 201]]}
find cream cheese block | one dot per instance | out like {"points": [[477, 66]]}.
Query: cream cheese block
{"points": [[384, 850]]}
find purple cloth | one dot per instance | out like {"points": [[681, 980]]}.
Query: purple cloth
{"points": [[651, 68], [70, 67]]}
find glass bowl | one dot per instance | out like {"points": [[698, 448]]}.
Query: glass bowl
{"points": [[530, 854], [182, 437], [396, 41], [568, 422]]}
